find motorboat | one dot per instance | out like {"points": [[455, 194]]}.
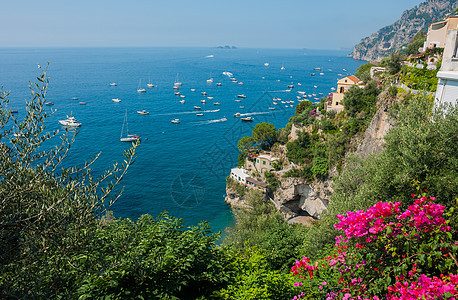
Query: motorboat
{"points": [[290, 86], [241, 107], [219, 84], [216, 103], [241, 96], [238, 100], [317, 69], [175, 121], [177, 93], [113, 84], [271, 108], [82, 103], [193, 90], [282, 67], [150, 85], [182, 96], [142, 112], [182, 101], [289, 90], [70, 122], [247, 119], [49, 103], [204, 93], [128, 137], [210, 80], [177, 82], [176, 87], [321, 74], [197, 107], [14, 111], [240, 83], [203, 101], [74, 98], [237, 114], [266, 64], [275, 103], [313, 74], [210, 98], [116, 100], [199, 114]]}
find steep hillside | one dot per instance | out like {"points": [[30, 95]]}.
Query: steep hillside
{"points": [[394, 36]]}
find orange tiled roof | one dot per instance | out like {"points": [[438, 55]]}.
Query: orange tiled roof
{"points": [[354, 78]]}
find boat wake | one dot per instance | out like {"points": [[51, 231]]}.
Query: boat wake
{"points": [[256, 113], [189, 112], [211, 121]]}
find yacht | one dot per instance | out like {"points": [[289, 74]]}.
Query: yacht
{"points": [[197, 107], [139, 89], [204, 93], [219, 84], [203, 101], [49, 103], [199, 114], [271, 108], [116, 100], [247, 119], [142, 112], [176, 121], [241, 96], [150, 85], [216, 103], [237, 114], [182, 101], [113, 84], [70, 122]]}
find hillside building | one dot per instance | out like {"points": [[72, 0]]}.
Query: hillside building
{"points": [[437, 33], [342, 86]]}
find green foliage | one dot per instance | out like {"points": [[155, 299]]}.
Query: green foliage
{"points": [[299, 149], [302, 106], [254, 280], [264, 135], [293, 172], [320, 161], [246, 143], [46, 214], [263, 226], [364, 72], [239, 188], [394, 63], [357, 99], [420, 79], [271, 180], [417, 43], [421, 146]]}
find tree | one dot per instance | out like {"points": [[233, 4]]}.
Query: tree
{"points": [[417, 43], [394, 63], [364, 72], [302, 106], [357, 99], [264, 135], [246, 143], [44, 209]]}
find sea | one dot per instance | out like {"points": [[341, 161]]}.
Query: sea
{"points": [[179, 168]]}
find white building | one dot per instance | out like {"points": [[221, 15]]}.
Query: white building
{"points": [[447, 88], [240, 175]]}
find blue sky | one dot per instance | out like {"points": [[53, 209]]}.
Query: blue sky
{"points": [[328, 24]]}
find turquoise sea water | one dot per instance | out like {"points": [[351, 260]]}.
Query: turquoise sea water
{"points": [[180, 168]]}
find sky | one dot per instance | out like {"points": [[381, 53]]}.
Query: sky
{"points": [[325, 24]]}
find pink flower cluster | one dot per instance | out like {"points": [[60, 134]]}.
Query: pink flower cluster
{"points": [[424, 214], [360, 223], [425, 288]]}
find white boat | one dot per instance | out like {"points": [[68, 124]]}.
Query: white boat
{"points": [[175, 121], [142, 112], [210, 80], [210, 56], [344, 70], [182, 96], [241, 96], [149, 84], [116, 100], [291, 86], [219, 84], [266, 64], [203, 101], [333, 89], [321, 74], [228, 74], [301, 92], [204, 93], [82, 103], [182, 101], [247, 119], [113, 84], [199, 114], [237, 114], [193, 90], [74, 98], [241, 107], [315, 86], [70, 122], [238, 100], [271, 108], [210, 98], [177, 83], [197, 107], [240, 83], [275, 103], [289, 90], [216, 103], [139, 89], [128, 137], [49, 103], [282, 67], [317, 69]]}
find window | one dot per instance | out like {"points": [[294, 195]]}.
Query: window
{"points": [[342, 89], [337, 102], [264, 162], [257, 160], [270, 163]]}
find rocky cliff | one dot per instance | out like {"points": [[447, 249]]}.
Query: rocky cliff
{"points": [[396, 35]]}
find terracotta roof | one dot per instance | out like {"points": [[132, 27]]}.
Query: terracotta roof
{"points": [[354, 78], [257, 183]]}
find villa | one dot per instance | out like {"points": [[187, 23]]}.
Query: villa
{"points": [[342, 86], [447, 88], [437, 33], [264, 162], [240, 175]]}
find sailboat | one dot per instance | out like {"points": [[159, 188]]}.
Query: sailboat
{"points": [[139, 89], [149, 84], [128, 137], [177, 83], [211, 79]]}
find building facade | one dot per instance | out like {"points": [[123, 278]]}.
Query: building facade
{"points": [[447, 88], [437, 33], [342, 86]]}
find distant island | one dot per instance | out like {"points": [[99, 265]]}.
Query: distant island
{"points": [[226, 47]]}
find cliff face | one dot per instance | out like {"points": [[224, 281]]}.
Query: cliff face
{"points": [[394, 36]]}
